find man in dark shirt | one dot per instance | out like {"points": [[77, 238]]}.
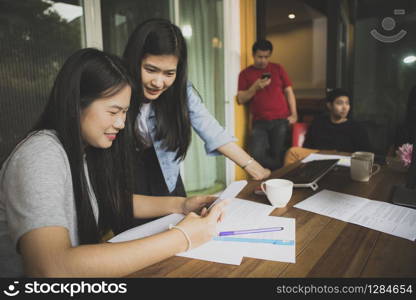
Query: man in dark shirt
{"points": [[332, 132]]}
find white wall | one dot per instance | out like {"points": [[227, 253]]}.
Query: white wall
{"points": [[231, 68], [301, 49]]}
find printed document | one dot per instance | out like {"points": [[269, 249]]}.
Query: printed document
{"points": [[344, 160], [239, 215], [382, 216], [162, 224]]}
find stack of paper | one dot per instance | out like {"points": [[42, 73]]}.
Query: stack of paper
{"points": [[239, 215]]}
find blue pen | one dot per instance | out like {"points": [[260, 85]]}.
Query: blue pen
{"points": [[247, 231], [249, 240]]}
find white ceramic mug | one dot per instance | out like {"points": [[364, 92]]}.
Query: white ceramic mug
{"points": [[363, 166], [278, 191]]}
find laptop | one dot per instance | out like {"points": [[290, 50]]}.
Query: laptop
{"points": [[307, 175]]}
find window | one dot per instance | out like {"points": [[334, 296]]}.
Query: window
{"points": [[36, 37], [383, 77], [202, 25], [120, 18]]}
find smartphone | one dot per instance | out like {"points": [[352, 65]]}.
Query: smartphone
{"points": [[266, 75], [258, 191], [403, 196]]}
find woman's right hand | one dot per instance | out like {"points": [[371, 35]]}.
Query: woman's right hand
{"points": [[257, 171], [201, 229]]}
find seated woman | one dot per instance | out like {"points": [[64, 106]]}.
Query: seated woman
{"points": [[332, 132], [68, 183]]}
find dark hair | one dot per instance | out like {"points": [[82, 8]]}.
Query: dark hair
{"points": [[262, 45], [161, 37], [335, 93], [87, 75]]}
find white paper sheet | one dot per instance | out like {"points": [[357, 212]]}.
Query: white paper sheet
{"points": [[284, 253], [147, 229], [345, 160], [207, 251], [240, 214], [231, 191], [389, 218], [382, 216], [333, 204], [227, 256], [162, 224]]}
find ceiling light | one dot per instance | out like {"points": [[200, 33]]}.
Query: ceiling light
{"points": [[187, 31], [409, 59]]}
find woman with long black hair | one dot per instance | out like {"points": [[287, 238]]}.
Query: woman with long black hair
{"points": [[156, 55], [68, 183]]}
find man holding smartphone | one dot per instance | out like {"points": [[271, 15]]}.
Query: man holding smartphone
{"points": [[268, 89]]}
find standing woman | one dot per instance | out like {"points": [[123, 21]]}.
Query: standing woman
{"points": [[68, 183], [156, 55]]}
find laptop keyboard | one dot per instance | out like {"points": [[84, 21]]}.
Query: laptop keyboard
{"points": [[310, 171]]}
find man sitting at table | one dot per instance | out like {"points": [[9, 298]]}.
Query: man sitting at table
{"points": [[333, 131]]}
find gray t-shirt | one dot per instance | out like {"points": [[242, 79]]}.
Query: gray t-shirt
{"points": [[35, 191]]}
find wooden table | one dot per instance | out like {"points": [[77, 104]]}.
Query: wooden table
{"points": [[325, 247]]}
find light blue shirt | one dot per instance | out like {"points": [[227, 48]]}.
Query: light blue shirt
{"points": [[205, 125]]}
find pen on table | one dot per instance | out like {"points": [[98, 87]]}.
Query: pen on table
{"points": [[247, 231], [250, 240]]}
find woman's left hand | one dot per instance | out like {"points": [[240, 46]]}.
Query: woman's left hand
{"points": [[257, 171], [196, 203]]}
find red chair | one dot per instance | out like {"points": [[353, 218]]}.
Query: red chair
{"points": [[298, 133]]}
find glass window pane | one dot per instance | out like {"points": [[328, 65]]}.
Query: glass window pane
{"points": [[120, 18], [201, 22], [35, 37], [383, 78]]}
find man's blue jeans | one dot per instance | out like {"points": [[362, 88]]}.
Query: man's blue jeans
{"points": [[267, 142]]}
